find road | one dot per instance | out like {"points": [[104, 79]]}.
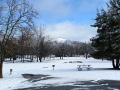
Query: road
{"points": [[78, 85]]}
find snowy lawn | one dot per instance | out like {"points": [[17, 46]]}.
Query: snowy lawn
{"points": [[65, 71]]}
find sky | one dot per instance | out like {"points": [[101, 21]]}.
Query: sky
{"points": [[69, 19]]}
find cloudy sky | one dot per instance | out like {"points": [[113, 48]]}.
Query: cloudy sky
{"points": [[69, 19]]}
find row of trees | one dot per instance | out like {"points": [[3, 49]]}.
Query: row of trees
{"points": [[37, 44], [107, 41]]}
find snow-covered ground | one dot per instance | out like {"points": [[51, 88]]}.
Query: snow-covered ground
{"points": [[67, 72]]}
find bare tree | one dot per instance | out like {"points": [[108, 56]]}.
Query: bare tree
{"points": [[40, 39], [43, 43], [14, 15], [60, 50], [86, 49], [11, 49], [24, 42]]}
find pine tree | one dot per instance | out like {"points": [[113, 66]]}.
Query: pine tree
{"points": [[99, 41], [107, 41]]}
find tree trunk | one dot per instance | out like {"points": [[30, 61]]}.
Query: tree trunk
{"points": [[31, 58], [115, 65], [62, 58], [37, 58], [40, 58], [10, 58], [21, 58], [86, 55], [1, 75], [1, 65]]}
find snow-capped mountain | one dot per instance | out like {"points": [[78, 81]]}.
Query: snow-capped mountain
{"points": [[59, 40]]}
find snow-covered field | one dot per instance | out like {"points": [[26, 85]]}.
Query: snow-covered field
{"points": [[67, 72]]}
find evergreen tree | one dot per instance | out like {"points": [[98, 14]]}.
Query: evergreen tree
{"points": [[99, 41], [107, 41]]}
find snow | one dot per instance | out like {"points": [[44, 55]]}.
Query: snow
{"points": [[59, 40], [64, 71]]}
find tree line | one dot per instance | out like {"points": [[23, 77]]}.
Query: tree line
{"points": [[107, 40], [36, 43]]}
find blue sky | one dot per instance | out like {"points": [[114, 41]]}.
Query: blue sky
{"points": [[69, 19]]}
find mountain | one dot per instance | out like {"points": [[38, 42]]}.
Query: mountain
{"points": [[59, 40]]}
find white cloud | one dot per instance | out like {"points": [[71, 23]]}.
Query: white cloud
{"points": [[71, 31], [60, 8]]}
